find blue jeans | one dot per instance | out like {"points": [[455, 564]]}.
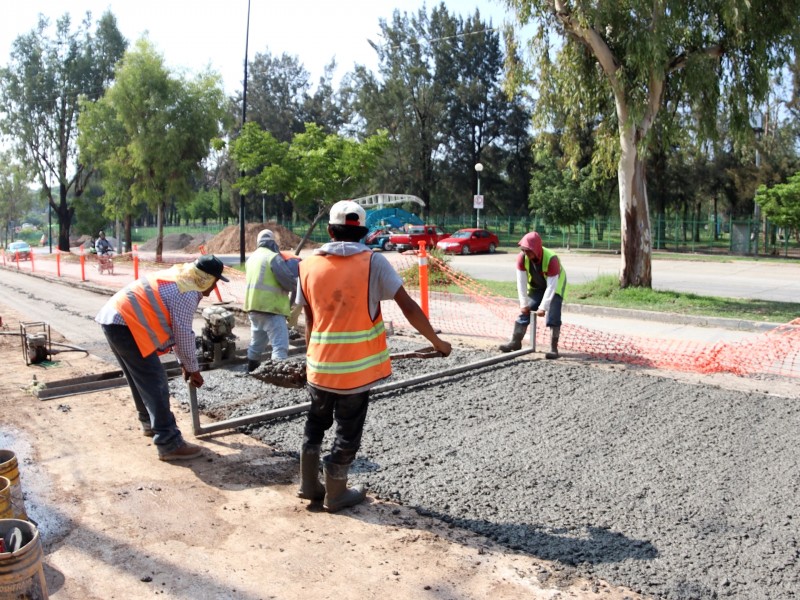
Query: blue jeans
{"points": [[149, 387], [553, 314], [268, 327], [349, 411]]}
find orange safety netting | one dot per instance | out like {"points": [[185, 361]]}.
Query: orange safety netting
{"points": [[460, 306]]}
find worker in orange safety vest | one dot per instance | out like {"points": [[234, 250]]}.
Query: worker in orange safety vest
{"points": [[146, 318], [341, 287]]}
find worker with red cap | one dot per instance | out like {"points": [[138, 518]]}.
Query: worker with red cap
{"points": [[541, 286]]}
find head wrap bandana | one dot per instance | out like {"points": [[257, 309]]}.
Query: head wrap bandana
{"points": [[188, 277]]}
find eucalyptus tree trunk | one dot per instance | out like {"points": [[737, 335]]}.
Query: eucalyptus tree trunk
{"points": [[636, 242]]}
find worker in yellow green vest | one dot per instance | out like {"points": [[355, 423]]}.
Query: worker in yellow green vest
{"points": [[541, 286], [270, 279]]}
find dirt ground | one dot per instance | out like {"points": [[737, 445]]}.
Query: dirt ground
{"points": [[118, 523]]}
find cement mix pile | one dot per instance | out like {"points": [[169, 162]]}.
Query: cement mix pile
{"points": [[675, 490]]}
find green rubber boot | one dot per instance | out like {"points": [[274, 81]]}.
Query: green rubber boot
{"points": [[337, 494], [554, 343], [516, 339], [310, 486]]}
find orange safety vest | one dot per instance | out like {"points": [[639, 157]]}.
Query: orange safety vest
{"points": [[347, 348], [145, 314]]}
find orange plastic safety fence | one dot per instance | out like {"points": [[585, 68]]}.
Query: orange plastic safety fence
{"points": [[461, 306], [473, 311]]}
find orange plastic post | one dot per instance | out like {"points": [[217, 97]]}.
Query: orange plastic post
{"points": [[423, 278], [58, 262], [16, 258], [33, 266], [83, 265], [136, 261]]}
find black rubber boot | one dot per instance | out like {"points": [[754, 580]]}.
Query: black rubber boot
{"points": [[337, 494], [310, 486], [252, 365], [516, 339], [554, 343]]}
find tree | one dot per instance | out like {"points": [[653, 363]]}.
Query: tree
{"points": [[781, 203], [277, 91], [151, 131], [15, 197], [469, 65], [712, 53], [315, 170], [562, 195], [408, 102], [39, 96]]}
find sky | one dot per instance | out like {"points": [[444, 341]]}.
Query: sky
{"points": [[193, 35]]}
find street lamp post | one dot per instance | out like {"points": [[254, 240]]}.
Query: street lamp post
{"points": [[244, 119], [478, 201]]}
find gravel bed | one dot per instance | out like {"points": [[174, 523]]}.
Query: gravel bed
{"points": [[675, 490]]}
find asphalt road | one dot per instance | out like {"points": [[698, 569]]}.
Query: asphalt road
{"points": [[763, 280], [756, 279]]}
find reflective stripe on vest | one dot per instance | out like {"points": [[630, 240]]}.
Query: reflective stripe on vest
{"points": [[547, 255], [145, 314], [347, 348], [263, 292]]}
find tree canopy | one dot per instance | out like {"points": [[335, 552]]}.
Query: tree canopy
{"points": [[151, 131], [781, 203], [614, 63], [40, 90], [314, 170]]}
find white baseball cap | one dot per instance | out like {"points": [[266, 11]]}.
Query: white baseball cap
{"points": [[347, 212], [263, 235]]}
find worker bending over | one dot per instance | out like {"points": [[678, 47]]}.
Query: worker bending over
{"points": [[541, 286], [145, 319]]}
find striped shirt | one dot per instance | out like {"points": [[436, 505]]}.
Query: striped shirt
{"points": [[181, 307]]}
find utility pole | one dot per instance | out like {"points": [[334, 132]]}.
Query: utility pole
{"points": [[244, 119]]}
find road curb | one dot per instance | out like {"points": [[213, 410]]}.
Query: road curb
{"points": [[587, 309], [673, 318]]}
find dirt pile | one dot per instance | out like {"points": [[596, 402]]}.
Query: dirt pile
{"points": [[201, 239], [227, 240], [173, 242]]}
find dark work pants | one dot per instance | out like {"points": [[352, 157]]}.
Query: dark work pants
{"points": [[348, 410], [149, 387], [553, 315]]}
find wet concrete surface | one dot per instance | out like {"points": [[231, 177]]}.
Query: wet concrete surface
{"points": [[678, 490]]}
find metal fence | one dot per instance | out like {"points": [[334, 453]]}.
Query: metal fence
{"points": [[672, 234]]}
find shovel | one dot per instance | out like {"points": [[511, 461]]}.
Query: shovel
{"points": [[428, 352]]}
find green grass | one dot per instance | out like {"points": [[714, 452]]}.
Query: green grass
{"points": [[605, 291]]}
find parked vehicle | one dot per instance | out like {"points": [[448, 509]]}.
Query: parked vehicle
{"points": [[379, 238], [469, 241], [19, 249], [409, 240]]}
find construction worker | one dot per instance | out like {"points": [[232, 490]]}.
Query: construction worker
{"points": [[341, 287], [541, 286], [271, 278], [143, 320]]}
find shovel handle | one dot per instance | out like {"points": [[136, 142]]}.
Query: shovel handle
{"points": [[429, 352]]}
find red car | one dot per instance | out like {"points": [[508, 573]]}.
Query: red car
{"points": [[469, 241]]}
